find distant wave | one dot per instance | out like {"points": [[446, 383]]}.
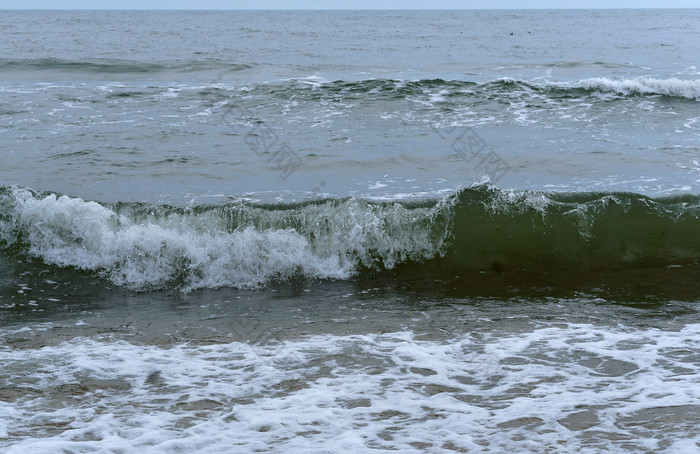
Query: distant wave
{"points": [[475, 230], [374, 88], [446, 90], [106, 66]]}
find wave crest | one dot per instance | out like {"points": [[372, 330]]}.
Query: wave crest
{"points": [[151, 247], [472, 231]]}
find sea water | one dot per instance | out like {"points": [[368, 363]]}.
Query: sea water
{"points": [[434, 231]]}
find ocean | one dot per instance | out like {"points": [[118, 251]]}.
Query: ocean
{"points": [[349, 231]]}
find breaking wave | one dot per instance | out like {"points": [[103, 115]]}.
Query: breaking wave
{"points": [[474, 230]]}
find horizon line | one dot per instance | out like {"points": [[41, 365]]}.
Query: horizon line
{"points": [[353, 9]]}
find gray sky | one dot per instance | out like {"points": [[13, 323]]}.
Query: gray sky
{"points": [[342, 4]]}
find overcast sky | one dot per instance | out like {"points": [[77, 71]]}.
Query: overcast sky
{"points": [[342, 4]]}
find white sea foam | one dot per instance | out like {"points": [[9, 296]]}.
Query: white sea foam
{"points": [[564, 388], [685, 88], [145, 250]]}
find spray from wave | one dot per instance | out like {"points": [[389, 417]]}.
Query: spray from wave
{"points": [[673, 87], [150, 247]]}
